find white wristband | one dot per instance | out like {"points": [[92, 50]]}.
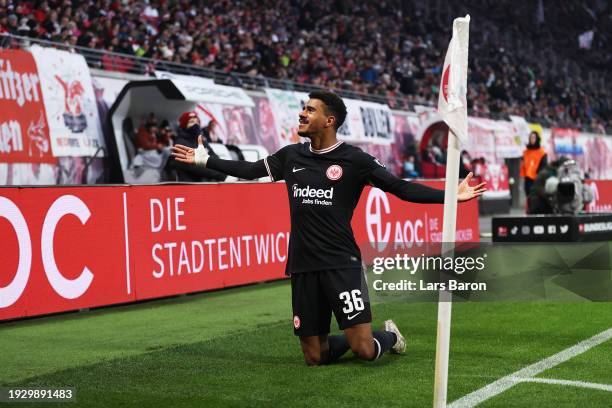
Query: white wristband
{"points": [[201, 156]]}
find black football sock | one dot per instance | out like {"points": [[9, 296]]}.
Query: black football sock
{"points": [[383, 341], [338, 345]]}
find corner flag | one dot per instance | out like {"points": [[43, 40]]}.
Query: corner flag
{"points": [[452, 106], [452, 100]]}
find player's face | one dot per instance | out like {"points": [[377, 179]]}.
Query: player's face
{"points": [[313, 118]]}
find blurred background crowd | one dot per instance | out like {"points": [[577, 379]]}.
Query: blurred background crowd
{"points": [[550, 64]]}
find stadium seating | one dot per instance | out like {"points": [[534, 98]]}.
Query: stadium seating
{"points": [[525, 60]]}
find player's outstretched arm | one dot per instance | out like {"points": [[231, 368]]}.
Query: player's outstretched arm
{"points": [[200, 157], [419, 193]]}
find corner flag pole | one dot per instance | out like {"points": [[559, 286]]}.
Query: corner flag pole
{"points": [[452, 106]]}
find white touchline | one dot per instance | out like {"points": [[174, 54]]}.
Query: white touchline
{"points": [[532, 370], [583, 384], [127, 246]]}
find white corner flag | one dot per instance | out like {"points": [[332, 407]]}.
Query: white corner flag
{"points": [[452, 106], [452, 100]]}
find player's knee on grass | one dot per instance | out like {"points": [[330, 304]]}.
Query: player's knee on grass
{"points": [[313, 358]]}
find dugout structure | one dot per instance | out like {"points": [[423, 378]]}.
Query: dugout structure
{"points": [[166, 98]]}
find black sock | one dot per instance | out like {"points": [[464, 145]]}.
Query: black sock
{"points": [[338, 345], [383, 341]]}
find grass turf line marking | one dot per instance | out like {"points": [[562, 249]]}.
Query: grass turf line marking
{"points": [[497, 387], [583, 384], [127, 246]]}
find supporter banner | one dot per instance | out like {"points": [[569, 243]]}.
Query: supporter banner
{"points": [[592, 152], [24, 131], [384, 154], [481, 142], [367, 122], [234, 124], [205, 90], [522, 129], [602, 196], [69, 100], [107, 89], [597, 162], [505, 143], [352, 129], [286, 106], [70, 248], [405, 145], [266, 132], [564, 143], [273, 119]]}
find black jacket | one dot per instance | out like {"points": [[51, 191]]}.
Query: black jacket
{"points": [[190, 172]]}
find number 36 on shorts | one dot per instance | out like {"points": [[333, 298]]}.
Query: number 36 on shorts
{"points": [[352, 301]]}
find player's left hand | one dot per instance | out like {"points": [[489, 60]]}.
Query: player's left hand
{"points": [[190, 155], [465, 192]]}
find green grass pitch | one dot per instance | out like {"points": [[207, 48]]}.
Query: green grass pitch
{"points": [[236, 348]]}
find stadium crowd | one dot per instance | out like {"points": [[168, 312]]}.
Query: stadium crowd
{"points": [[525, 57]]}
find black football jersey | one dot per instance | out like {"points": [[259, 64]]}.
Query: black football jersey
{"points": [[324, 187]]}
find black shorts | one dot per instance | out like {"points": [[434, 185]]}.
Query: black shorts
{"points": [[315, 295]]}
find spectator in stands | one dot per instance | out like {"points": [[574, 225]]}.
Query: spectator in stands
{"points": [[434, 153], [209, 132], [166, 136], [146, 138], [534, 159], [388, 47], [465, 164], [409, 168], [151, 153], [188, 133]]}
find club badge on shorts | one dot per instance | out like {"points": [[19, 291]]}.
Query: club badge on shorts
{"points": [[334, 172], [296, 321]]}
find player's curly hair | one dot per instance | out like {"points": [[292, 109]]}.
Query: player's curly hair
{"points": [[334, 105]]}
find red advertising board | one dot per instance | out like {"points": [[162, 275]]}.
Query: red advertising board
{"points": [[69, 248], [602, 196], [384, 225], [24, 131], [192, 238], [62, 249]]}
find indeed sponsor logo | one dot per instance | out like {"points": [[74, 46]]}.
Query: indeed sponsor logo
{"points": [[308, 192], [313, 196]]}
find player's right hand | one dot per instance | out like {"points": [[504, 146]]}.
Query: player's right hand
{"points": [[190, 155]]}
